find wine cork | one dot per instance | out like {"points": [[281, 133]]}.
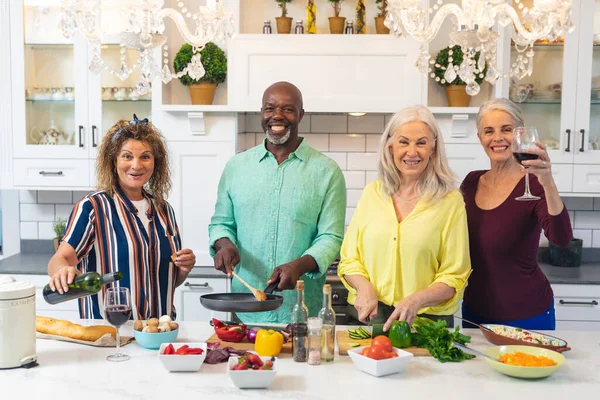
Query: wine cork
{"points": [[327, 288], [299, 285]]}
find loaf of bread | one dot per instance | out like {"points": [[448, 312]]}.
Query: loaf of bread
{"points": [[59, 327]]}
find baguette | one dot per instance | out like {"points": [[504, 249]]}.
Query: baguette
{"points": [[59, 327]]}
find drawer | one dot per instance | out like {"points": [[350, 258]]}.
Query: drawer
{"points": [[577, 308], [39, 173], [187, 298]]}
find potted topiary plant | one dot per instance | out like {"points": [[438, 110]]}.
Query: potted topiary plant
{"points": [[569, 256], [336, 23], [380, 28], [284, 23], [58, 227], [214, 61], [455, 90]]}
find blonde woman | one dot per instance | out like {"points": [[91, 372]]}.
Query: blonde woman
{"points": [[127, 226], [406, 251]]}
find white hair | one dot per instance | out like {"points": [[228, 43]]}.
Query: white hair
{"points": [[438, 179], [500, 105]]}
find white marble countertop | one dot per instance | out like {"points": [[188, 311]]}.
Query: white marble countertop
{"points": [[72, 371]]}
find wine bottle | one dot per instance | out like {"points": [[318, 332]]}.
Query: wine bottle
{"points": [[83, 285], [327, 316], [299, 325]]}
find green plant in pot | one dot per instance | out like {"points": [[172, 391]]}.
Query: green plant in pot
{"points": [[284, 23], [568, 256], [214, 61], [456, 89], [336, 23], [58, 227], [380, 28]]}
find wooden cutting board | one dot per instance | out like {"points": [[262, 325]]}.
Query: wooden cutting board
{"points": [[245, 344], [344, 342]]}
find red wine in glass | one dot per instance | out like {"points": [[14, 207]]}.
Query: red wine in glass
{"points": [[117, 315], [524, 139], [525, 156]]}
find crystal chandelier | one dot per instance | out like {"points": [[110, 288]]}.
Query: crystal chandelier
{"points": [[474, 20], [139, 24]]}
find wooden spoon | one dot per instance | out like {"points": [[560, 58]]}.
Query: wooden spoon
{"points": [[259, 294]]}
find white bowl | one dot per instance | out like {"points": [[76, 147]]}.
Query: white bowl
{"points": [[380, 367], [251, 379], [182, 363]]}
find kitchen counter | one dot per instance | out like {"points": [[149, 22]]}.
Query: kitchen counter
{"points": [[144, 377]]}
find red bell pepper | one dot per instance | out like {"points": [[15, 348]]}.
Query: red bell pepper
{"points": [[229, 333], [182, 350]]}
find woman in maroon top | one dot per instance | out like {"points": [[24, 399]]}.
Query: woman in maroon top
{"points": [[507, 285]]}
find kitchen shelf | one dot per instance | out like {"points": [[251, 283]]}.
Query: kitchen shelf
{"points": [[196, 108], [454, 110], [49, 101], [127, 101]]}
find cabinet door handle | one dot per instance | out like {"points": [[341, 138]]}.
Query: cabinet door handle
{"points": [[581, 303], [204, 285], [45, 173], [582, 140], [80, 134], [94, 127], [568, 149]]}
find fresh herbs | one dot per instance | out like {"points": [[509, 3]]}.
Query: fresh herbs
{"points": [[435, 337]]}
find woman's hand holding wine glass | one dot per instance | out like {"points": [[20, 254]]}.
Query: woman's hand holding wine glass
{"points": [[117, 311], [532, 155]]}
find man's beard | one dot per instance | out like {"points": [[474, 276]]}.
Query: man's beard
{"points": [[278, 141]]}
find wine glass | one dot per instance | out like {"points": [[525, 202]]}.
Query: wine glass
{"points": [[117, 311], [523, 140]]}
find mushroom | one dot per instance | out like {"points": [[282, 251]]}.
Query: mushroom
{"points": [[164, 319]]}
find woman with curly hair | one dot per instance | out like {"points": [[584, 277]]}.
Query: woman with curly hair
{"points": [[127, 226]]}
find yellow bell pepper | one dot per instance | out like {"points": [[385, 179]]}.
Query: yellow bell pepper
{"points": [[268, 342]]}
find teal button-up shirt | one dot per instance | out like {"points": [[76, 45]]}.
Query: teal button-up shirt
{"points": [[277, 213]]}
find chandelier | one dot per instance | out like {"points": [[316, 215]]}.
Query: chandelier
{"points": [[474, 21], [140, 24]]}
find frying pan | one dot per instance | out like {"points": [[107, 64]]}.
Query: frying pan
{"points": [[242, 302]]}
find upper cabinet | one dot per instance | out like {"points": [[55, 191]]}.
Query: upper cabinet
{"points": [[60, 109]]}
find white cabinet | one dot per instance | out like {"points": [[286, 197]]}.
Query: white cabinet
{"points": [[577, 307], [187, 298], [67, 310], [61, 109]]}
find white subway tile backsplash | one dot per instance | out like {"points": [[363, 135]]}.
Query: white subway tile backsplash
{"points": [[54, 197], [579, 203], [349, 214], [328, 123], [572, 217], [373, 141], [78, 195], [596, 238], [253, 123], [241, 123], [362, 161], [365, 124], [339, 158], [317, 141], [241, 142], [29, 230], [250, 140], [354, 179], [372, 176], [28, 196], [347, 142], [352, 197], [597, 203], [37, 212], [586, 220], [63, 211], [585, 235], [304, 124], [45, 230]]}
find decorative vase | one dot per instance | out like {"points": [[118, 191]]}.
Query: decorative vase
{"points": [[569, 256], [202, 93], [380, 28], [337, 24], [284, 25], [457, 96]]}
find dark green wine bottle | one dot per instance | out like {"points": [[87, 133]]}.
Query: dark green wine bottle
{"points": [[83, 285]]}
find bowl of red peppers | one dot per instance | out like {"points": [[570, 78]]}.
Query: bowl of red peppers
{"points": [[182, 357]]}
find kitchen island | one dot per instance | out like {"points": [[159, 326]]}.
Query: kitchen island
{"points": [[73, 371]]}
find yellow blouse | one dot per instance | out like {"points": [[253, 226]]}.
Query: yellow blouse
{"points": [[430, 245]]}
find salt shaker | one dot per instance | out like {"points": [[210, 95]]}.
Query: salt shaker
{"points": [[314, 341]]}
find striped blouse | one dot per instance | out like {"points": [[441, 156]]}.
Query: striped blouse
{"points": [[108, 236]]}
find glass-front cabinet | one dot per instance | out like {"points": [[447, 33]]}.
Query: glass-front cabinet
{"points": [[562, 99], [61, 109]]}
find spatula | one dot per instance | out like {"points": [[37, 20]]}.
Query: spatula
{"points": [[258, 294]]}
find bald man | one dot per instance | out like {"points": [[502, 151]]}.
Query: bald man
{"points": [[280, 210]]}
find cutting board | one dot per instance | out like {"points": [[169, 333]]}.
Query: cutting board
{"points": [[245, 344], [344, 342]]}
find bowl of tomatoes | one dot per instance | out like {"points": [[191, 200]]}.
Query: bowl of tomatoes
{"points": [[380, 358]]}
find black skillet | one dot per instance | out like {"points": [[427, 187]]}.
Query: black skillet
{"points": [[242, 302]]}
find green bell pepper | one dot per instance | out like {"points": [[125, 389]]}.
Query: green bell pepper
{"points": [[399, 334]]}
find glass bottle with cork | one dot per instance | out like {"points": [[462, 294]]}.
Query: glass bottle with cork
{"points": [[267, 27], [314, 341], [299, 319], [327, 317]]}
